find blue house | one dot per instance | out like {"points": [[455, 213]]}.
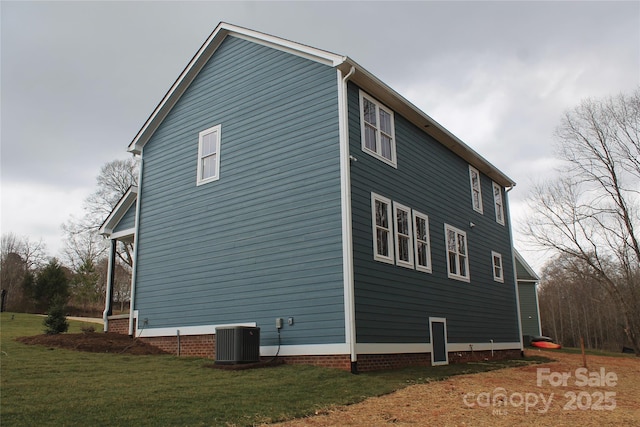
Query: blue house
{"points": [[286, 187]]}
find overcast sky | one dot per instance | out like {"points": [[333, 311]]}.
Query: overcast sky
{"points": [[79, 79]]}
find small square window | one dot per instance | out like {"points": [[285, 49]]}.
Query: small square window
{"points": [[209, 155]]}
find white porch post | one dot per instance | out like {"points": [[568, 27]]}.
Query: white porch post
{"points": [[108, 302]]}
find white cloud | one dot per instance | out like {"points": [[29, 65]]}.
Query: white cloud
{"points": [[39, 210]]}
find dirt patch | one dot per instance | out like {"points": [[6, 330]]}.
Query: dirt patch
{"points": [[506, 397], [94, 342]]}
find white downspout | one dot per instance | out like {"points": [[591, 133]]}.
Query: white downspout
{"points": [[515, 275], [535, 289], [136, 239], [347, 234]]}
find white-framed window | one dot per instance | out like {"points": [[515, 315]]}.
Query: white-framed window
{"points": [[421, 242], [377, 129], [457, 255], [476, 191], [497, 201], [498, 271], [209, 155], [382, 231], [403, 235]]}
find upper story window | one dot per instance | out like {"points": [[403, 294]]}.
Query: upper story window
{"points": [[382, 241], [457, 256], [377, 129], [403, 235], [209, 155], [421, 242], [476, 191], [498, 272], [497, 200]]}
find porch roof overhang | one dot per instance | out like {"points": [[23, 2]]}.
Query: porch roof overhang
{"points": [[111, 222]]}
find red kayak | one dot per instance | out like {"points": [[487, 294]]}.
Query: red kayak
{"points": [[546, 344]]}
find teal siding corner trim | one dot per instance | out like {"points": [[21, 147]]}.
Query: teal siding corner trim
{"points": [[264, 240]]}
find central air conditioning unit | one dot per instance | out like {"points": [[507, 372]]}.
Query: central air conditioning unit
{"points": [[237, 344]]}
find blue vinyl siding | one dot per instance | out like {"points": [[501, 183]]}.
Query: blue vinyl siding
{"points": [[264, 241], [393, 303], [128, 220]]}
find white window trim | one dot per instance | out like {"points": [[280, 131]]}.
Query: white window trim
{"points": [[216, 129], [427, 268], [473, 170], [499, 278], [379, 106], [390, 235], [451, 275], [410, 248], [498, 203]]}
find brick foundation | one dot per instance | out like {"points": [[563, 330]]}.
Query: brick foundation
{"points": [[205, 346], [378, 362], [119, 325], [190, 345], [338, 361]]}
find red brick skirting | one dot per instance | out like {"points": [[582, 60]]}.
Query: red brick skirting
{"points": [[119, 326], [190, 345], [378, 362], [338, 361], [205, 346]]}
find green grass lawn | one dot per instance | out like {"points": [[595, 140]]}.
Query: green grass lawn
{"points": [[54, 387]]}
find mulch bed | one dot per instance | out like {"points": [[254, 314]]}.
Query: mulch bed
{"points": [[94, 342]]}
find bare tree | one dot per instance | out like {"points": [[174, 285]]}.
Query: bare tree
{"points": [[574, 305], [590, 213], [18, 257], [82, 242]]}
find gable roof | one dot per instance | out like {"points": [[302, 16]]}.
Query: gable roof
{"points": [[367, 81], [524, 272], [117, 213]]}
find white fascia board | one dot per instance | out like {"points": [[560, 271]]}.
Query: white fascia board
{"points": [[393, 348], [121, 208], [202, 56], [184, 330], [123, 233], [305, 350], [294, 48]]}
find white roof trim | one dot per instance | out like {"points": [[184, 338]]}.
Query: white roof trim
{"points": [[121, 208], [526, 267], [202, 56], [377, 88], [362, 78]]}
